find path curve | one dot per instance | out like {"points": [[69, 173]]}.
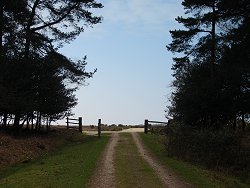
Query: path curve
{"points": [[168, 177], [104, 176]]}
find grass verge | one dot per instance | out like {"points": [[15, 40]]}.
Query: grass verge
{"points": [[131, 170], [71, 165], [196, 175]]}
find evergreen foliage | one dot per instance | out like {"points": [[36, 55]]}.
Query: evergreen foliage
{"points": [[223, 150], [37, 82], [212, 72]]}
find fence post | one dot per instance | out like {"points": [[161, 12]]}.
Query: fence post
{"points": [[99, 127], [80, 124], [146, 126], [67, 122]]}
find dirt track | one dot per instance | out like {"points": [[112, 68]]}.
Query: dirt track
{"points": [[167, 176], [105, 175]]}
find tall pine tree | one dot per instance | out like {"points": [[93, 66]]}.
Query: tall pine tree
{"points": [[199, 98], [32, 31]]}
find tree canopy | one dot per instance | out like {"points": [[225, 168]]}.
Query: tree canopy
{"points": [[36, 81], [212, 72]]}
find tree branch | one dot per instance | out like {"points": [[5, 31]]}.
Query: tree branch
{"points": [[56, 21]]}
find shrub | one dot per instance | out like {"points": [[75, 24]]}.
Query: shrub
{"points": [[214, 149]]}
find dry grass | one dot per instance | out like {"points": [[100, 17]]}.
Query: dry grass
{"points": [[26, 147]]}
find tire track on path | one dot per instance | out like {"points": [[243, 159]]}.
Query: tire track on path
{"points": [[104, 176], [168, 177]]}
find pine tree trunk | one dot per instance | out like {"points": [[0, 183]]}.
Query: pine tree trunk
{"points": [[28, 29], [213, 47], [16, 123], [243, 121], [1, 31], [47, 124], [27, 125], [5, 116], [37, 121], [32, 123], [234, 123]]}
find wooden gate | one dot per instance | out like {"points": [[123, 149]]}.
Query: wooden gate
{"points": [[74, 121], [147, 125]]}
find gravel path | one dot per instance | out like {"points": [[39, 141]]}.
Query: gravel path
{"points": [[168, 177], [104, 176]]}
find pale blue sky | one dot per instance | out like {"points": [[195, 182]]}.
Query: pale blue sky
{"points": [[134, 68]]}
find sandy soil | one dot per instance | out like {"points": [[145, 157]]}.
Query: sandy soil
{"points": [[133, 130], [94, 132], [104, 175]]}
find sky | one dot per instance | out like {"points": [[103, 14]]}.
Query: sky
{"points": [[128, 48]]}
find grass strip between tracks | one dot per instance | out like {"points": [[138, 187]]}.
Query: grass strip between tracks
{"points": [[131, 170]]}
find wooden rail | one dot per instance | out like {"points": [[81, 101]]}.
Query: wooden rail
{"points": [[159, 122], [146, 124], [74, 121]]}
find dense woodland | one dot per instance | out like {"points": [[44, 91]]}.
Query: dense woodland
{"points": [[37, 83], [212, 72], [210, 104]]}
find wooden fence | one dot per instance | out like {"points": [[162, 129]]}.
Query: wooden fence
{"points": [[147, 124], [99, 127], [74, 121]]}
